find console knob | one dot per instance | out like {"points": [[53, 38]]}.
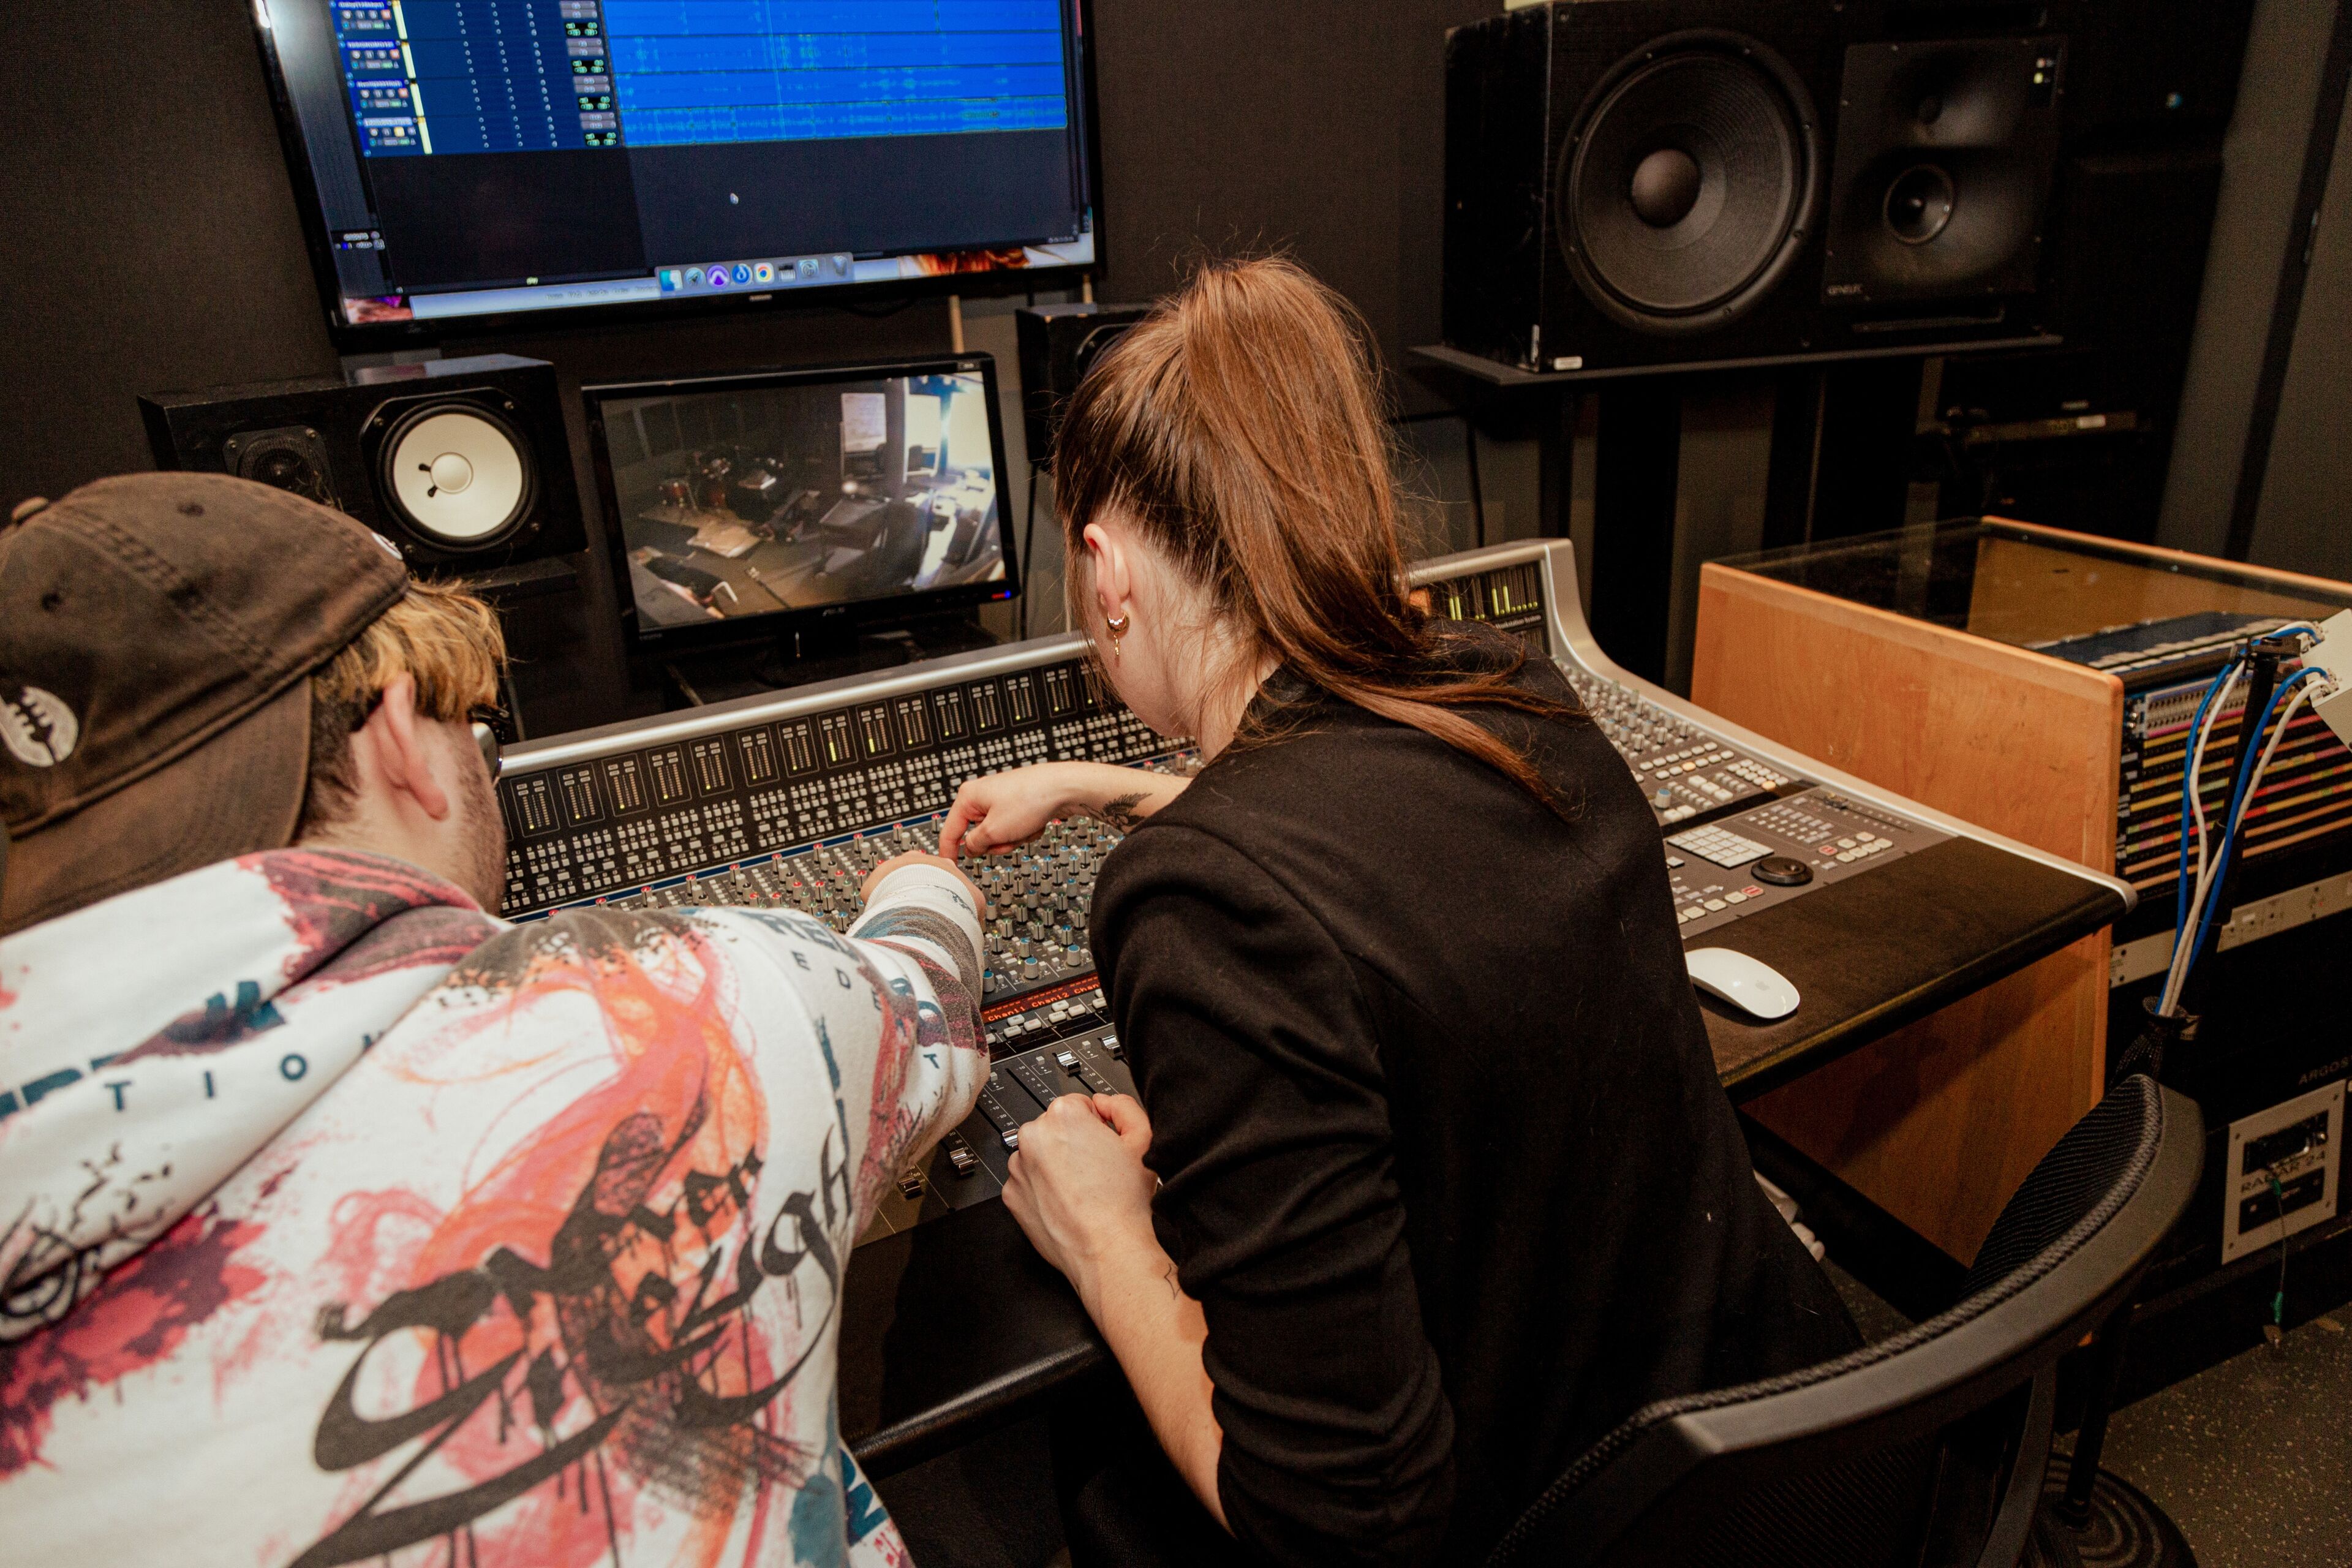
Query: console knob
{"points": [[1781, 871]]}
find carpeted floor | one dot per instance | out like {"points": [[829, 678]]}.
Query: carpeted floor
{"points": [[2252, 1458]]}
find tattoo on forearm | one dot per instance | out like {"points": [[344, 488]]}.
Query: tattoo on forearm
{"points": [[1175, 1292], [1120, 813]]}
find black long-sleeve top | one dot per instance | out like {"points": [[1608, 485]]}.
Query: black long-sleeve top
{"points": [[1444, 1157]]}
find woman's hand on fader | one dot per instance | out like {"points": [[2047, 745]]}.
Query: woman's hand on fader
{"points": [[1001, 810], [1078, 1185]]}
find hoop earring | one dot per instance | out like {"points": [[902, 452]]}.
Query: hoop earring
{"points": [[1117, 625]]}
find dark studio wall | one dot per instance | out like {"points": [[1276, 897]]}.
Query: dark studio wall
{"points": [[147, 238], [1320, 125], [148, 242], [2295, 500]]}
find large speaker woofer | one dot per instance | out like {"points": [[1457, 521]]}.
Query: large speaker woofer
{"points": [[1688, 185], [457, 473]]}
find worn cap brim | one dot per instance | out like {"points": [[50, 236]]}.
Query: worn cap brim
{"points": [[239, 792]]}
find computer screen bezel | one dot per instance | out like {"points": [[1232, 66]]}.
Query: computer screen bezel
{"points": [[775, 625], [367, 337]]}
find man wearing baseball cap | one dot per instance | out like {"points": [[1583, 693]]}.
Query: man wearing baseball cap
{"points": [[339, 1220]]}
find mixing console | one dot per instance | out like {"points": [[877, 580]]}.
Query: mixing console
{"points": [[1685, 772], [1054, 1042], [788, 800], [634, 808], [1037, 895]]}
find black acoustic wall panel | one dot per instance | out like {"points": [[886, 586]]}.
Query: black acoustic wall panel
{"points": [[147, 234], [1310, 126]]}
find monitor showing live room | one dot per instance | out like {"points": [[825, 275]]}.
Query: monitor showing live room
{"points": [[739, 502]]}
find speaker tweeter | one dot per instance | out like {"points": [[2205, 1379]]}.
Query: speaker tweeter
{"points": [[290, 457], [1944, 156]]}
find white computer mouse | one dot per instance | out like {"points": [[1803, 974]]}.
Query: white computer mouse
{"points": [[1747, 984]]}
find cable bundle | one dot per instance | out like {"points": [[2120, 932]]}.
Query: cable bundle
{"points": [[2194, 909]]}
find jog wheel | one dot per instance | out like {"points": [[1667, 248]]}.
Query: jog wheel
{"points": [[2125, 1529]]}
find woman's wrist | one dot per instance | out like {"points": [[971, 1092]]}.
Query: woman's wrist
{"points": [[1119, 797], [1120, 1261], [1073, 782], [1087, 788]]}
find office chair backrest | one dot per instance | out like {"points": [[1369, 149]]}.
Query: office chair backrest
{"points": [[1926, 1449]]}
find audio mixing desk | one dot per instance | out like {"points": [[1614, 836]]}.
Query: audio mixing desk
{"points": [[1876, 908]]}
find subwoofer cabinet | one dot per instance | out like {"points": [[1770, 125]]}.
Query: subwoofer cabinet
{"points": [[1653, 182]]}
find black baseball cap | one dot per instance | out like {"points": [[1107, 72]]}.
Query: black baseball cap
{"points": [[157, 637]]}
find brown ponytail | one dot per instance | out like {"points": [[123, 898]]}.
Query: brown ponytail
{"points": [[1240, 427]]}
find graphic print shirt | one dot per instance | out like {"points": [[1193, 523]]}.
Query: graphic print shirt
{"points": [[343, 1222]]}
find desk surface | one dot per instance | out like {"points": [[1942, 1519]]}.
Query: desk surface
{"points": [[957, 1326]]}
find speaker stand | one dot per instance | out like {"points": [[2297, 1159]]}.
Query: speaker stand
{"points": [[1637, 462], [1638, 458]]}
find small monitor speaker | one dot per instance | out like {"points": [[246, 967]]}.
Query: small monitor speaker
{"points": [[1059, 343], [462, 463]]}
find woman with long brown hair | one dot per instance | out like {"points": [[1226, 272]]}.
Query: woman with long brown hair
{"points": [[1432, 1181]]}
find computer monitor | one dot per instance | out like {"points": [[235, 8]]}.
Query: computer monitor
{"points": [[459, 162], [744, 507]]}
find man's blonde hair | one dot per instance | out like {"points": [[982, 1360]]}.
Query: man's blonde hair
{"points": [[445, 638]]}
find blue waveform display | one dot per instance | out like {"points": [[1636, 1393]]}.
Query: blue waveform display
{"points": [[760, 71]]}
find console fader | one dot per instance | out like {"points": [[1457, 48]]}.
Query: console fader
{"points": [[788, 800]]}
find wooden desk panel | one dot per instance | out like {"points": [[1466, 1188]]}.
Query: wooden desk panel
{"points": [[1940, 1122]]}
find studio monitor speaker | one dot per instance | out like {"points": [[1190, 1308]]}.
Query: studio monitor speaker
{"points": [[1058, 345], [462, 463], [1945, 150], [1642, 184]]}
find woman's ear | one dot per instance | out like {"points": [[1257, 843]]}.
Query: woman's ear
{"points": [[1108, 567]]}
